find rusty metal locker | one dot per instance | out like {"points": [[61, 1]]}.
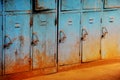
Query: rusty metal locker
{"points": [[44, 40], [70, 5], [69, 39], [17, 5], [110, 34], [111, 4], [17, 43], [45, 4], [91, 4], [91, 36]]}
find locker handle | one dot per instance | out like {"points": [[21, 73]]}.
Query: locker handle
{"points": [[35, 42], [7, 45], [104, 32], [84, 34], [62, 39]]}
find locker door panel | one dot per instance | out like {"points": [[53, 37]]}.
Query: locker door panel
{"points": [[17, 43], [45, 4], [1, 45], [70, 4], [92, 4], [15, 5], [112, 4], [69, 30], [91, 36], [111, 41], [44, 33]]}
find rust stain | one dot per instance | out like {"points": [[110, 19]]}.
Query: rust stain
{"points": [[14, 66], [21, 38]]}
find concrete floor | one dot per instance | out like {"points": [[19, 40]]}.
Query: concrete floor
{"points": [[99, 72]]}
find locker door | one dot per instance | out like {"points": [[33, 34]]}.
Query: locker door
{"points": [[17, 43], [70, 4], [69, 38], [92, 4], [1, 45], [44, 41], [0, 5], [15, 5], [111, 34], [91, 36], [112, 4], [45, 4]]}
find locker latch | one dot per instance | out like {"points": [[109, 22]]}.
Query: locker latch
{"points": [[7, 45], [84, 34], [35, 41], [104, 32], [62, 37]]}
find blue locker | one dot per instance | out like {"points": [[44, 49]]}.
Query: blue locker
{"points": [[0, 5], [91, 36], [16, 5], [1, 45], [112, 4], [69, 38], [44, 41], [111, 34], [45, 4], [17, 43], [70, 4], [92, 4]]}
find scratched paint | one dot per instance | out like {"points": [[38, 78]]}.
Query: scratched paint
{"points": [[44, 33], [91, 44], [111, 41], [17, 32], [70, 4], [0, 45], [17, 5], [68, 50], [92, 4], [111, 4], [45, 4]]}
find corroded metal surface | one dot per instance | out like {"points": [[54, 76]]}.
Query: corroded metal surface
{"points": [[44, 33], [91, 45], [45, 4], [69, 38], [16, 5], [111, 41], [17, 53]]}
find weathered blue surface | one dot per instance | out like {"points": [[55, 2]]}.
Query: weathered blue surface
{"points": [[70, 4], [92, 4], [91, 44], [112, 4], [44, 33], [69, 38], [16, 5], [0, 5], [0, 44], [45, 4], [17, 31], [111, 41]]}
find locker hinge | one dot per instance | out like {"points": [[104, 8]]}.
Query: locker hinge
{"points": [[101, 20], [56, 21], [31, 22]]}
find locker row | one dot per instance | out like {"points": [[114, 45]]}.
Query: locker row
{"points": [[81, 38], [65, 5]]}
